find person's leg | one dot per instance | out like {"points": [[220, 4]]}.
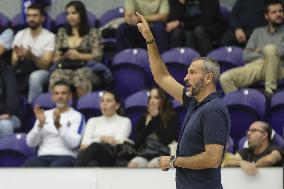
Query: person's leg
{"points": [[38, 161], [96, 151], [7, 126], [177, 38], [138, 162], [229, 38], [37, 80], [128, 37], [244, 76], [160, 35], [82, 80], [62, 161], [202, 40], [271, 68]]}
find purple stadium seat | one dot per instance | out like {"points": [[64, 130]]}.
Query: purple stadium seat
{"points": [[14, 150], [131, 72], [178, 60], [19, 23], [276, 112], [111, 14], [227, 57], [60, 20], [231, 145], [277, 140], [135, 106], [89, 104], [245, 107], [4, 21], [44, 101]]}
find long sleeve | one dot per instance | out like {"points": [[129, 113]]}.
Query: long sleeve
{"points": [[34, 137], [233, 19], [124, 131], [142, 131], [72, 133], [249, 51], [88, 133]]}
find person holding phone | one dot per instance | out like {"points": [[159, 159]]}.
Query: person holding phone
{"points": [[77, 46]]}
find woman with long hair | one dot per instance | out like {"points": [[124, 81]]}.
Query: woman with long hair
{"points": [[103, 133], [77, 45], [160, 124]]}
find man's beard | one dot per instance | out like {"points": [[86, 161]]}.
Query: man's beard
{"points": [[33, 26], [276, 24]]}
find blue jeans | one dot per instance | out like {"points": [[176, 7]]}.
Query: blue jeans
{"points": [[37, 80], [50, 161], [7, 126]]}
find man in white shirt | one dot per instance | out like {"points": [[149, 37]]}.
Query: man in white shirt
{"points": [[33, 49], [56, 132]]}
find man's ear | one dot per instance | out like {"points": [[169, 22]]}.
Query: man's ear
{"points": [[209, 78]]}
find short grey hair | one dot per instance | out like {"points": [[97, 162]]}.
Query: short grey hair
{"points": [[210, 65]]}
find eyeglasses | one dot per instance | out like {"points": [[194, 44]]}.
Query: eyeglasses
{"points": [[254, 130]]}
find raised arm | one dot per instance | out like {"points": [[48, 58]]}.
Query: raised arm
{"points": [[159, 70]]}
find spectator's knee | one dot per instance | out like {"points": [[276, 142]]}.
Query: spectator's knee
{"points": [[225, 78], [270, 50], [198, 30]]}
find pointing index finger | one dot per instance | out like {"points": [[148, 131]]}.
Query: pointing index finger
{"points": [[141, 17]]}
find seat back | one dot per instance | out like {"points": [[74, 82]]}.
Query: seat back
{"points": [[89, 104], [245, 106], [110, 15], [228, 57], [14, 150], [276, 112], [178, 60], [130, 70]]}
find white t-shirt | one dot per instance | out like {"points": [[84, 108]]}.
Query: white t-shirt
{"points": [[115, 126], [45, 41], [62, 141]]}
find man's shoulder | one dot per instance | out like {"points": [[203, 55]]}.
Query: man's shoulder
{"points": [[47, 33], [22, 32]]}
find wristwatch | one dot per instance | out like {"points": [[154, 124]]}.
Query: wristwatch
{"points": [[172, 161]]}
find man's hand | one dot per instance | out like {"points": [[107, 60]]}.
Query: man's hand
{"points": [[248, 167], [240, 35], [170, 26], [144, 28], [4, 116], [56, 118], [132, 19], [164, 163], [108, 139], [39, 114], [72, 54]]}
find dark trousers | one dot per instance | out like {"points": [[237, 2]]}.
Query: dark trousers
{"points": [[50, 161], [96, 154], [201, 38], [128, 36]]}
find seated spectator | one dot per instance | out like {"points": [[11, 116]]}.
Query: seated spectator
{"points": [[160, 123], [56, 132], [244, 18], [260, 152], [9, 101], [32, 52], [155, 12], [78, 49], [103, 133], [263, 55], [196, 24]]}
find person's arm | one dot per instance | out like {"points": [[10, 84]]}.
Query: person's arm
{"points": [[42, 62], [6, 39], [234, 161], [124, 131], [269, 160], [72, 134], [159, 70], [34, 137], [233, 19], [252, 51]]}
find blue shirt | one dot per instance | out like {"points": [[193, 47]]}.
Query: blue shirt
{"points": [[207, 122]]}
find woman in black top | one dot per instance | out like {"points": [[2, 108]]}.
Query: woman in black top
{"points": [[159, 124]]}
